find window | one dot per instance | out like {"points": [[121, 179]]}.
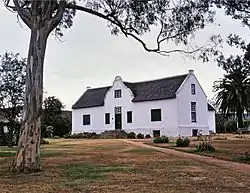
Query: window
{"points": [[155, 114], [86, 119], [193, 112], [118, 110], [107, 118], [118, 93], [156, 133], [129, 117], [193, 89]]}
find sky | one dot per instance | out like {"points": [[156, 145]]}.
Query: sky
{"points": [[88, 55]]}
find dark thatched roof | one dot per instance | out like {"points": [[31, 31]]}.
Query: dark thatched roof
{"points": [[164, 88]]}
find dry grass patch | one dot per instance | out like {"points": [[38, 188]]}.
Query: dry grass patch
{"points": [[227, 147], [231, 149], [97, 166]]}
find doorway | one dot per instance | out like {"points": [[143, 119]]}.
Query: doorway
{"points": [[118, 118], [195, 132]]}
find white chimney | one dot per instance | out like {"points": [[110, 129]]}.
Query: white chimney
{"points": [[118, 78], [191, 71]]}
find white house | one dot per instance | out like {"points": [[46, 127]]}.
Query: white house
{"points": [[169, 106]]}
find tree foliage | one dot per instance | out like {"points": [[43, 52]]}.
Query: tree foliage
{"points": [[12, 82], [233, 90], [53, 116], [238, 9], [177, 21]]}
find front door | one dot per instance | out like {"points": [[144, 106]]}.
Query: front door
{"points": [[118, 118], [195, 132]]}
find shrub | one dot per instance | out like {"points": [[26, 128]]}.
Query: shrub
{"points": [[246, 123], [157, 140], [140, 136], [162, 139], [121, 134], [67, 136], [114, 134], [182, 142], [147, 136], [231, 126], [131, 135], [85, 135], [205, 146]]}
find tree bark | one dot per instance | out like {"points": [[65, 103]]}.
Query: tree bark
{"points": [[240, 120], [28, 155], [10, 133]]}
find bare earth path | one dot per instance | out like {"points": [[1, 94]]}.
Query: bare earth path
{"points": [[234, 166]]}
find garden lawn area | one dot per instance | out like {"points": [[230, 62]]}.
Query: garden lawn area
{"points": [[228, 147], [105, 165]]}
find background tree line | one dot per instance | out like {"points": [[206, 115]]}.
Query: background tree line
{"points": [[55, 120], [233, 90]]}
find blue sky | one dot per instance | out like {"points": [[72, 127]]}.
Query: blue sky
{"points": [[90, 56]]}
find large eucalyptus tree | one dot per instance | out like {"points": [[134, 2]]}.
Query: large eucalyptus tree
{"points": [[238, 9], [177, 21]]}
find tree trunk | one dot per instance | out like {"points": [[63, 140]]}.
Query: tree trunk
{"points": [[240, 120], [10, 134], [28, 155]]}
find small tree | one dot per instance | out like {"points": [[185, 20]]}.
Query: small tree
{"points": [[12, 82], [234, 89], [52, 116]]}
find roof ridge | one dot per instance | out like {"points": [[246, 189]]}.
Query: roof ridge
{"points": [[98, 87], [156, 79]]}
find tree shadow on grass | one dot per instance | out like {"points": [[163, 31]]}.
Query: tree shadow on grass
{"points": [[80, 174]]}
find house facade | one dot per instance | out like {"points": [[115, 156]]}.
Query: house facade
{"points": [[170, 106]]}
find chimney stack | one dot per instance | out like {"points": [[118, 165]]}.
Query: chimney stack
{"points": [[191, 71]]}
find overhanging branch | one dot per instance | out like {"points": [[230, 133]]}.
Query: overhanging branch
{"points": [[24, 14], [59, 14], [126, 31]]}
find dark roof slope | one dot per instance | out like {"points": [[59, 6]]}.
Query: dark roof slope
{"points": [[156, 89], [210, 107], [92, 98], [164, 88]]}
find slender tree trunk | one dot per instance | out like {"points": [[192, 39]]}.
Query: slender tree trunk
{"points": [[28, 155], [240, 120], [10, 133]]}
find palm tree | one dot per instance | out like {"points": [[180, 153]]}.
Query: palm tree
{"points": [[232, 92]]}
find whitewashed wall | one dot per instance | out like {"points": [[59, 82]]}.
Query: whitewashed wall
{"points": [[184, 99], [176, 113], [141, 114], [211, 121]]}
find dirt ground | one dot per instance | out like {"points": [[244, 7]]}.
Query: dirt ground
{"points": [[117, 166]]}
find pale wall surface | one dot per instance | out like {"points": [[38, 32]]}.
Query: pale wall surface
{"points": [[211, 121], [184, 99], [176, 113], [141, 114]]}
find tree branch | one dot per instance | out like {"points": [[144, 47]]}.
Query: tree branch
{"points": [[111, 18], [58, 17], [25, 15]]}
